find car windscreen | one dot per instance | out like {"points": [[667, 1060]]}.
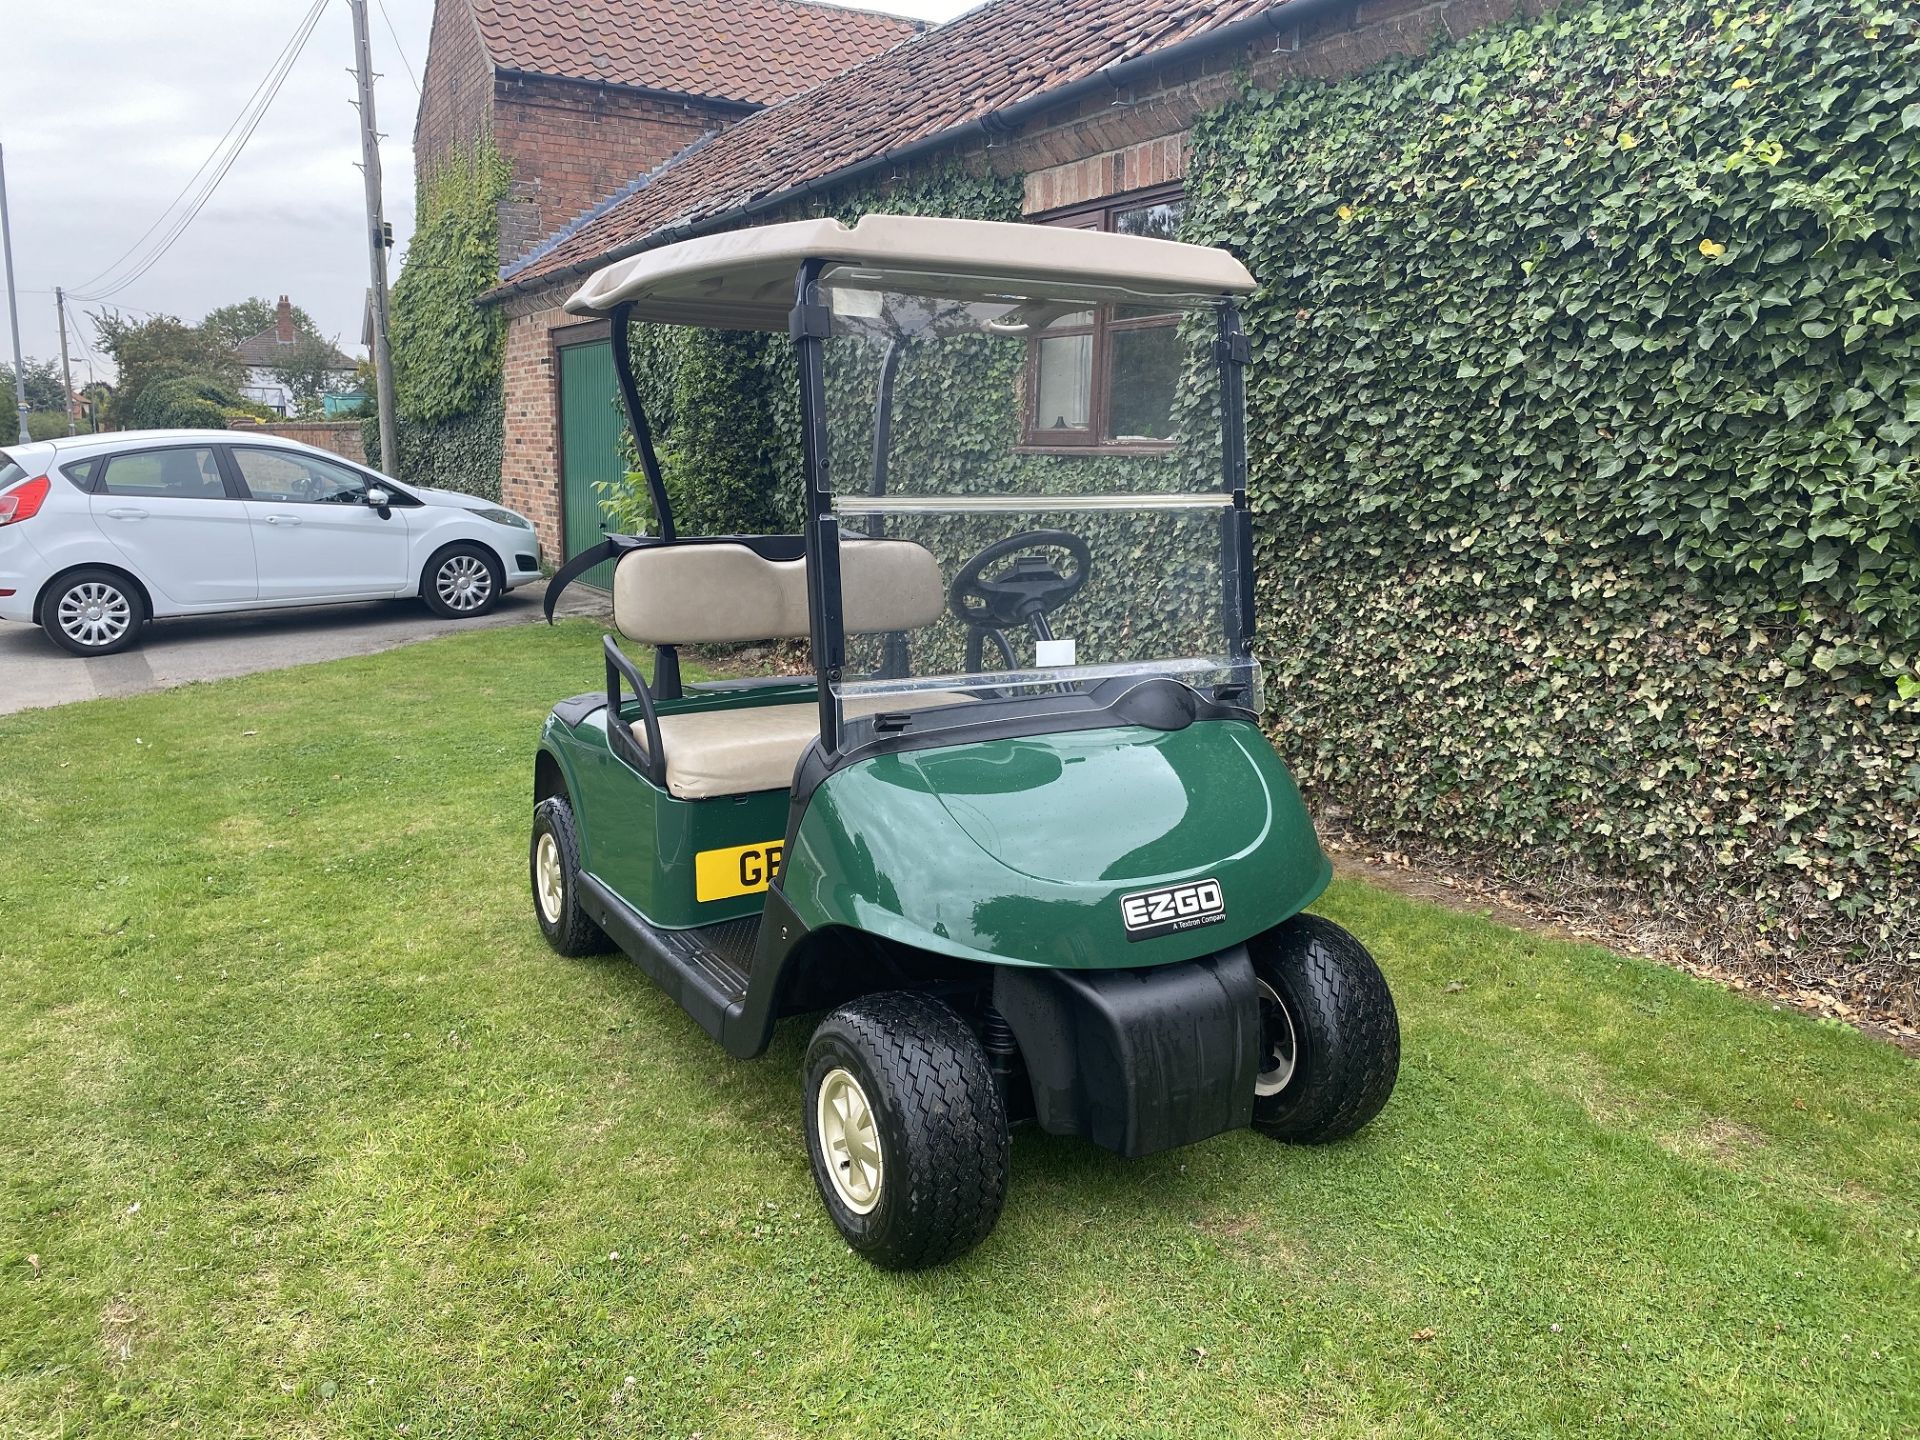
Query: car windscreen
{"points": [[1047, 471], [10, 470]]}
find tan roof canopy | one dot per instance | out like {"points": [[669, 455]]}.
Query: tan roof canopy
{"points": [[743, 279]]}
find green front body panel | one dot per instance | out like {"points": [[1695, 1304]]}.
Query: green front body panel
{"points": [[641, 842], [1018, 851]]}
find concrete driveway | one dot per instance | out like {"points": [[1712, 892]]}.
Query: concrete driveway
{"points": [[34, 672]]}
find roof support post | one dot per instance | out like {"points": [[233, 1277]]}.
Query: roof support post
{"points": [[666, 659], [637, 421], [810, 325], [1232, 353]]}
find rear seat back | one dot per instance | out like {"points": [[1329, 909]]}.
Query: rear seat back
{"points": [[724, 593]]}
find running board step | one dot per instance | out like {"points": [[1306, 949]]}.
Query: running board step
{"points": [[704, 971]]}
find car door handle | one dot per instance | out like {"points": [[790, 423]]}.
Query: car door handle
{"points": [[284, 520], [127, 512]]}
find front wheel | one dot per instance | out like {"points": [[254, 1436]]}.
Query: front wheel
{"points": [[905, 1129], [553, 860], [1330, 1038], [462, 581]]}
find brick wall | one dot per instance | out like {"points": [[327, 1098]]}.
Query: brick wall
{"points": [[1088, 150], [572, 144], [530, 452], [456, 94], [1096, 148], [342, 437]]}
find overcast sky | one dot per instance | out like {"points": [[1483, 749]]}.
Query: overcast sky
{"points": [[105, 120]]}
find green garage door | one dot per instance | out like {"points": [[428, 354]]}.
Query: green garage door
{"points": [[590, 435]]}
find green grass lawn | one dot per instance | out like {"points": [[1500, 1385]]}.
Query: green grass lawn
{"points": [[303, 1130]]}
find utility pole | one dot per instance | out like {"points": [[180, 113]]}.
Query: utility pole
{"points": [[13, 305], [376, 237], [66, 370]]}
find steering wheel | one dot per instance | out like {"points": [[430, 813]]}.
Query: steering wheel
{"points": [[1026, 592]]}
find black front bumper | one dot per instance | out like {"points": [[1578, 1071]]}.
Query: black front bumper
{"points": [[1138, 1061]]}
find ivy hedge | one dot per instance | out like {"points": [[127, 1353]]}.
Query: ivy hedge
{"points": [[460, 453], [1584, 401], [447, 351]]}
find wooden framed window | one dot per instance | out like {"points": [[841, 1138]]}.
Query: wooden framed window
{"points": [[1104, 379]]}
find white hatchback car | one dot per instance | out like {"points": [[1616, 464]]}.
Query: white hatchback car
{"points": [[100, 533]]}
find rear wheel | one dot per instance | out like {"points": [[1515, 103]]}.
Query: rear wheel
{"points": [[1330, 1038], [462, 581], [905, 1129], [553, 858], [94, 611]]}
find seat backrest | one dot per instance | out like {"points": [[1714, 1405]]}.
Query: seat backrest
{"points": [[181, 475], [723, 593]]}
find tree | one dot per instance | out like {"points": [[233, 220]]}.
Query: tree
{"points": [[309, 369], [241, 321], [44, 386], [160, 349], [180, 402]]}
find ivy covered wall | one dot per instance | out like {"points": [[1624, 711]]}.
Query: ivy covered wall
{"points": [[1584, 400], [447, 351], [1583, 412]]}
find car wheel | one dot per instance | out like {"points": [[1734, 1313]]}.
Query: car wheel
{"points": [[905, 1129], [462, 581], [1330, 1038], [95, 611], [553, 861]]}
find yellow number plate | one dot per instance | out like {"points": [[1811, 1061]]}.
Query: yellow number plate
{"points": [[723, 874]]}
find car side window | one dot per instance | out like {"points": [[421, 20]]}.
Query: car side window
{"points": [[189, 473], [80, 473], [289, 478]]}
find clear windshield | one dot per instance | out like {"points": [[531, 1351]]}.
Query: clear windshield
{"points": [[1055, 460]]}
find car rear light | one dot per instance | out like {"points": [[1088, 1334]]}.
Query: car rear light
{"points": [[24, 500]]}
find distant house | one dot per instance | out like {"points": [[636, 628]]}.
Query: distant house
{"points": [[267, 356]]}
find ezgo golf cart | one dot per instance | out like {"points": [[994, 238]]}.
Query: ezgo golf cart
{"points": [[1020, 835]]}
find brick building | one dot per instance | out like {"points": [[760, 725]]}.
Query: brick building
{"points": [[1089, 101], [582, 95]]}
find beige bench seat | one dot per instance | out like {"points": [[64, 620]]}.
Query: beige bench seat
{"points": [[736, 752], [726, 592]]}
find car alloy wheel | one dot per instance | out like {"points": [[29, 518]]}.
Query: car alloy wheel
{"points": [[464, 583], [94, 614], [850, 1141], [1278, 1045]]}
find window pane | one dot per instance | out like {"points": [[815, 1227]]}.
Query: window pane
{"points": [[290, 478], [1159, 222], [166, 475], [1066, 383], [1145, 375], [79, 472]]}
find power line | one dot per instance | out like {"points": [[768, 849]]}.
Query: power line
{"points": [[405, 64], [218, 146], [221, 161]]}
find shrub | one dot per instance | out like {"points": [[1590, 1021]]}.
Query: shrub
{"points": [[183, 402]]}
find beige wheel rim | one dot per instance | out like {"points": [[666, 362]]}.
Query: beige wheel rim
{"points": [[549, 883], [1278, 1046], [850, 1141]]}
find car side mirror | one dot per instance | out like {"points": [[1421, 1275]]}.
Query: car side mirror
{"points": [[381, 500]]}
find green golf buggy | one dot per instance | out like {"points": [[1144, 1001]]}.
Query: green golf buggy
{"points": [[1018, 837]]}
